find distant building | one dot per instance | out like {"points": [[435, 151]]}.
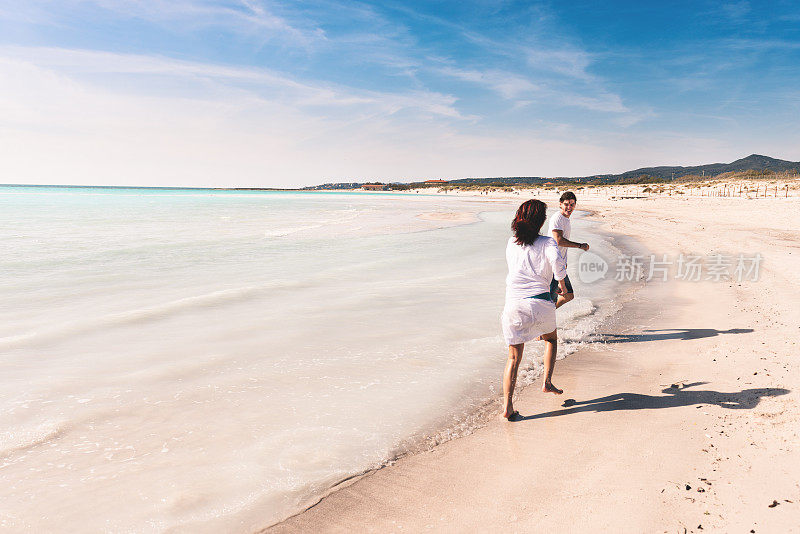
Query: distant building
{"points": [[435, 181], [375, 187]]}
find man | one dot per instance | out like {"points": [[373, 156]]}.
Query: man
{"points": [[560, 229]]}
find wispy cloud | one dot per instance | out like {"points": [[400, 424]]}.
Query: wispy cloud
{"points": [[561, 75], [260, 82], [735, 11], [606, 102], [760, 45], [73, 106], [252, 18], [523, 92], [506, 84], [567, 61]]}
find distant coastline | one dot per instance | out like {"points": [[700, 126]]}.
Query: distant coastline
{"points": [[752, 167], [168, 188]]}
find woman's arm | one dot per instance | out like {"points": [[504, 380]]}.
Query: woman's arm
{"points": [[562, 287], [557, 262]]}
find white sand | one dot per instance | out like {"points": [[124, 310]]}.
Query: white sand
{"points": [[623, 462]]}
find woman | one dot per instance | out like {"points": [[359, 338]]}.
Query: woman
{"points": [[529, 313]]}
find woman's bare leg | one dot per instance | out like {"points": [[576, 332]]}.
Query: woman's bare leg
{"points": [[510, 377], [550, 348]]}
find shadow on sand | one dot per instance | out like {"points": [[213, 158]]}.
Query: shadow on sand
{"points": [[670, 333], [675, 396]]}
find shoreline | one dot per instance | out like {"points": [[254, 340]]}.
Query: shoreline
{"points": [[488, 410], [340, 508]]}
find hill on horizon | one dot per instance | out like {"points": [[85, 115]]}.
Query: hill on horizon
{"points": [[753, 162]]}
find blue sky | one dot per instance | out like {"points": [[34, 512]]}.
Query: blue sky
{"points": [[267, 93]]}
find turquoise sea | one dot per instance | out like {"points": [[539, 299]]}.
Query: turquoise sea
{"points": [[212, 360]]}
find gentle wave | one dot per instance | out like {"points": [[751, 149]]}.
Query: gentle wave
{"points": [[225, 296], [20, 439], [283, 232], [340, 217]]}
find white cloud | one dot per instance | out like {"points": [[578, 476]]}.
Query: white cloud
{"points": [[256, 19], [74, 116], [61, 125], [523, 92], [207, 80], [568, 62], [606, 102], [550, 66], [735, 11], [506, 84]]}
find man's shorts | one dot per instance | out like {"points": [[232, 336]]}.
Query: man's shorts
{"points": [[554, 288]]}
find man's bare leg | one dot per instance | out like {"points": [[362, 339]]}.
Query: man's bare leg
{"points": [[551, 346], [510, 378]]}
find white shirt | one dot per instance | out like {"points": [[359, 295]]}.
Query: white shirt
{"points": [[559, 222], [531, 268]]}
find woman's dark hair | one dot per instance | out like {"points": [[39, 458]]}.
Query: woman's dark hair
{"points": [[528, 221]]}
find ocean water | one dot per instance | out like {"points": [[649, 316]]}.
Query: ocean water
{"points": [[209, 361]]}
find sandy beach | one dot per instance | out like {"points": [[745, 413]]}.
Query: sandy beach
{"points": [[681, 418]]}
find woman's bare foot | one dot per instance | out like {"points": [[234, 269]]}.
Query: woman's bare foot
{"points": [[548, 387], [509, 413]]}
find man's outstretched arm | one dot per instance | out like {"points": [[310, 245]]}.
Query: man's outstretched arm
{"points": [[562, 241]]}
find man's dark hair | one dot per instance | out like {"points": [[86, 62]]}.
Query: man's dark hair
{"points": [[528, 221], [567, 195]]}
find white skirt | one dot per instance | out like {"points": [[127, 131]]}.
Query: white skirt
{"points": [[527, 319]]}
